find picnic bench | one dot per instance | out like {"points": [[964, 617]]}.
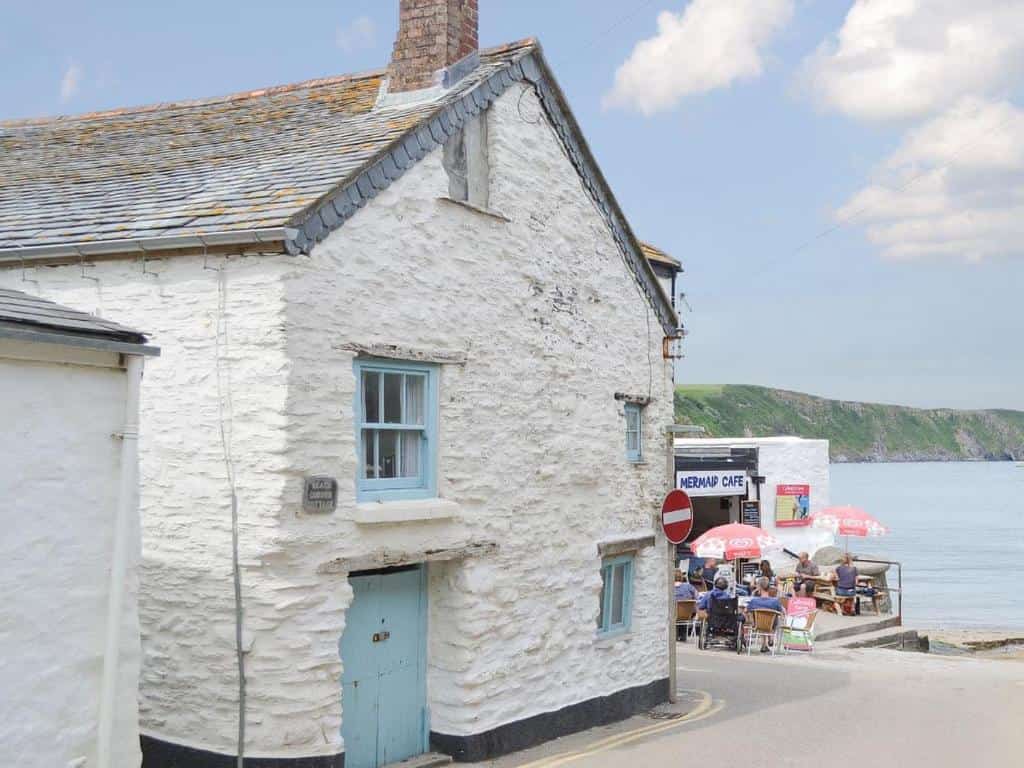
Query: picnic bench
{"points": [[827, 597]]}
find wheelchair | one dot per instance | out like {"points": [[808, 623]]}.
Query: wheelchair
{"points": [[722, 626]]}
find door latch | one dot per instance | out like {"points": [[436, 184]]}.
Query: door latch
{"points": [[379, 637]]}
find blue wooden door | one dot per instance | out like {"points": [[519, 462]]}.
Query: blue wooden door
{"points": [[383, 651]]}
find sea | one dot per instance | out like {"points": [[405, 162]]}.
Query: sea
{"points": [[958, 530]]}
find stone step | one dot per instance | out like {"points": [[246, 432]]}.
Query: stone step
{"points": [[429, 760], [855, 629], [897, 638]]}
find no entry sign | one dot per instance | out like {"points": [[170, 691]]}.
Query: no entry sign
{"points": [[677, 516]]}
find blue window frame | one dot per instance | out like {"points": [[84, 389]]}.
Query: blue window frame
{"points": [[396, 430], [616, 595], [634, 432]]}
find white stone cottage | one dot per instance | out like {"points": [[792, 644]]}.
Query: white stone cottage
{"points": [[411, 347], [69, 553]]}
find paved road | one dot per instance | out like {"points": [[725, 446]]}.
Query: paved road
{"points": [[880, 709]]}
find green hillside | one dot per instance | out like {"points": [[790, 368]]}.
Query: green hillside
{"points": [[857, 431]]}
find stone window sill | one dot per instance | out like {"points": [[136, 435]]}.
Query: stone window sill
{"points": [[478, 209], [616, 636], [419, 510], [625, 544]]}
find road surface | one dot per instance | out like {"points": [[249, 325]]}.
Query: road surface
{"points": [[872, 708]]}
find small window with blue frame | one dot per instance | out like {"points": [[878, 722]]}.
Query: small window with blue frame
{"points": [[616, 606], [396, 425], [634, 432]]}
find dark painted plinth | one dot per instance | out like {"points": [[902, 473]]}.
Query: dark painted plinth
{"points": [[550, 725], [163, 754]]}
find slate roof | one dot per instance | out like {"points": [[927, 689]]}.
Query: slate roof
{"points": [[658, 256], [21, 310], [249, 161], [268, 171]]}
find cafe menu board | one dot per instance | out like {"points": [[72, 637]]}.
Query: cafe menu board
{"points": [[792, 505], [750, 513]]}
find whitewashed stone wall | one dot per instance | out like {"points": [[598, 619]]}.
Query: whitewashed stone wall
{"points": [[532, 439], [60, 471], [531, 449], [188, 688]]}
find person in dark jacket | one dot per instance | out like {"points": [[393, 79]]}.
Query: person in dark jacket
{"points": [[846, 582]]}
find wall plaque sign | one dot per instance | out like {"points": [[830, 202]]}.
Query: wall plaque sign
{"points": [[320, 494]]}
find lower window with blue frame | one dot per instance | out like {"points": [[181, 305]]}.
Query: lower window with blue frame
{"points": [[616, 595], [396, 415]]}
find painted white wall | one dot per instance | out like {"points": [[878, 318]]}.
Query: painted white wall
{"points": [[784, 461], [553, 326], [59, 485]]}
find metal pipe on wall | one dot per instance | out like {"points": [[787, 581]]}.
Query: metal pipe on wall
{"points": [[127, 504]]}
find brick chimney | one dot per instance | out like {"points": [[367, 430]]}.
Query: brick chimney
{"points": [[432, 36]]}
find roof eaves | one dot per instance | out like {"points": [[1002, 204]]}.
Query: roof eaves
{"points": [[60, 253], [51, 335]]}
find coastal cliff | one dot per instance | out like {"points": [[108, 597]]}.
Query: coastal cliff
{"points": [[859, 432]]}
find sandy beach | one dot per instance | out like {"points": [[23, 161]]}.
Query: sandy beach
{"points": [[996, 644]]}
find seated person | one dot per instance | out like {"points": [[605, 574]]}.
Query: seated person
{"points": [[806, 568], [762, 599], [766, 571], [846, 582], [684, 589], [719, 592], [728, 573]]}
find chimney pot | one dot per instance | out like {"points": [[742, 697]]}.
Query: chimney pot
{"points": [[432, 35]]}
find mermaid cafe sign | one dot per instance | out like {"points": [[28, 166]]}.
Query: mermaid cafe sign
{"points": [[712, 482]]}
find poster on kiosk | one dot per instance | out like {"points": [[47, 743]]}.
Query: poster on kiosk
{"points": [[792, 505]]}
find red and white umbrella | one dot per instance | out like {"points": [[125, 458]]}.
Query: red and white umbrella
{"points": [[848, 521], [728, 542]]}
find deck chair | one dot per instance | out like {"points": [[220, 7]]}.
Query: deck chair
{"points": [[798, 632], [764, 625], [686, 619]]}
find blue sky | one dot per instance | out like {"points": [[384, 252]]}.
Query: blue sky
{"points": [[734, 133]]}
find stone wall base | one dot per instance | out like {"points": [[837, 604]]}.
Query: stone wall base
{"points": [[523, 734], [157, 753]]}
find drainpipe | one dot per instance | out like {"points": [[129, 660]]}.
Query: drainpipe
{"points": [[670, 446], [127, 505]]}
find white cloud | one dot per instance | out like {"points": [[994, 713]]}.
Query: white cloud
{"points": [[908, 58], [359, 34], [955, 187], [709, 45], [70, 82]]}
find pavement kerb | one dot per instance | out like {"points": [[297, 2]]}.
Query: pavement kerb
{"points": [[706, 708]]}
